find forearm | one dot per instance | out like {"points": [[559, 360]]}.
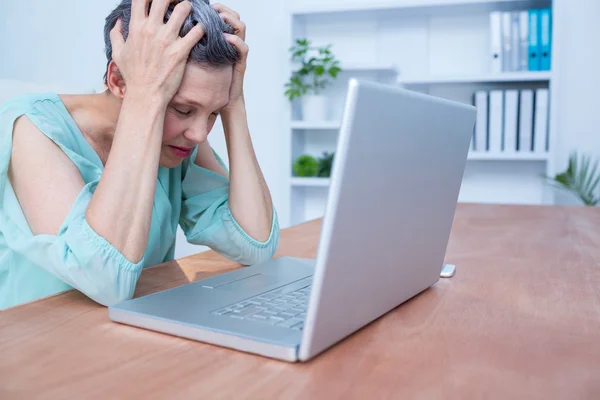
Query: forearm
{"points": [[205, 158], [121, 208], [249, 197]]}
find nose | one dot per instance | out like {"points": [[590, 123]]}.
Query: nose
{"points": [[197, 133]]}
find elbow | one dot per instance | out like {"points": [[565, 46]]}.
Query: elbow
{"points": [[257, 256], [261, 252], [119, 287], [120, 298], [93, 266], [112, 298]]}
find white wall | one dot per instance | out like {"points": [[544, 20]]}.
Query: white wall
{"points": [[577, 64], [54, 41]]}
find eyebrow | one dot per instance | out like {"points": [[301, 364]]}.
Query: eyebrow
{"points": [[179, 98]]}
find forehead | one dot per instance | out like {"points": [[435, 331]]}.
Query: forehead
{"points": [[205, 85]]}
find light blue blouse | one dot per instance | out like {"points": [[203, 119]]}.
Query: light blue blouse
{"points": [[35, 266]]}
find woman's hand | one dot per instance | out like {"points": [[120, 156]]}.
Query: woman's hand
{"points": [[152, 61], [249, 197], [236, 94]]}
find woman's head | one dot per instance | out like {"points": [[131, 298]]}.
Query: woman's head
{"points": [[212, 51], [204, 90]]}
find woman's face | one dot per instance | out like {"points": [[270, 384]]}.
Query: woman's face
{"points": [[192, 112]]}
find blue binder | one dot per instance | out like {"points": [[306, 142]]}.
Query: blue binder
{"points": [[545, 39], [534, 48]]}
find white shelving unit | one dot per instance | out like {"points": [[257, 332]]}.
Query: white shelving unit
{"points": [[315, 125], [365, 67], [506, 77], [361, 67], [439, 47], [311, 182], [481, 156], [408, 7]]}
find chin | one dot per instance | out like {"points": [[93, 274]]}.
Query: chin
{"points": [[169, 162]]}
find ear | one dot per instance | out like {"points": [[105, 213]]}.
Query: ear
{"points": [[115, 81]]}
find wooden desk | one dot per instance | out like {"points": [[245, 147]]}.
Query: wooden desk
{"points": [[520, 320]]}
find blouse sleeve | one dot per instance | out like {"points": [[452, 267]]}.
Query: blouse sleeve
{"points": [[207, 220], [77, 255]]}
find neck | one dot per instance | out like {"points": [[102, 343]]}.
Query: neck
{"points": [[96, 115]]}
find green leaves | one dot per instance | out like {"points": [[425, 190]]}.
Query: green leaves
{"points": [[318, 68], [334, 71], [325, 51], [299, 53], [325, 165], [295, 88], [305, 166], [582, 178], [308, 166]]}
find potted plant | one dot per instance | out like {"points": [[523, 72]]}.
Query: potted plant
{"points": [[581, 179], [325, 164], [305, 166], [317, 69]]}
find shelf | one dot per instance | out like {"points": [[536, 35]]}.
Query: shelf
{"points": [[417, 7], [362, 67], [315, 125], [369, 68], [524, 76], [311, 182], [480, 156]]}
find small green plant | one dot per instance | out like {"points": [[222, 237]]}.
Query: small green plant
{"points": [[325, 164], [306, 166], [318, 68], [581, 178]]}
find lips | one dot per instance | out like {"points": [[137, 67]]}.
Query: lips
{"points": [[181, 152]]}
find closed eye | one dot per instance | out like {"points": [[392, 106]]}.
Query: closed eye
{"points": [[182, 112]]}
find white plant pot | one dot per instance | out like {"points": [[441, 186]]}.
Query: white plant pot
{"points": [[314, 108]]}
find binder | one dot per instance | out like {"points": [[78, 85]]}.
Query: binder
{"points": [[511, 110], [540, 131], [481, 125], [515, 42], [524, 41], [545, 39], [534, 50], [496, 117], [526, 121], [506, 41], [496, 41]]}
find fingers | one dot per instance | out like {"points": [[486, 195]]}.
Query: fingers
{"points": [[180, 13], [238, 26], [138, 10], [158, 11], [238, 43], [193, 37], [116, 39], [221, 8]]}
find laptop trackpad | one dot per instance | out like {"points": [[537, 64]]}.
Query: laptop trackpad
{"points": [[252, 282]]}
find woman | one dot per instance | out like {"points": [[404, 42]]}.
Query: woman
{"points": [[92, 187]]}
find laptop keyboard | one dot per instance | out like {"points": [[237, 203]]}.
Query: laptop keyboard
{"points": [[275, 308]]}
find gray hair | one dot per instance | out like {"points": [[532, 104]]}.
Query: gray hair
{"points": [[212, 50]]}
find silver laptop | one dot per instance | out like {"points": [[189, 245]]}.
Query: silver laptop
{"points": [[396, 178]]}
